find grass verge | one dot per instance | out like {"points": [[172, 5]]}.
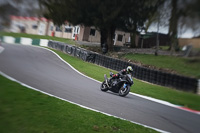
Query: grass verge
{"points": [[167, 94], [24, 110], [184, 66]]}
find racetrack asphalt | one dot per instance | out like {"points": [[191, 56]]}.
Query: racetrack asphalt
{"points": [[43, 70]]}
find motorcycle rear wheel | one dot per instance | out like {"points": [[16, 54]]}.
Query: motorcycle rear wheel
{"points": [[104, 87], [124, 91]]}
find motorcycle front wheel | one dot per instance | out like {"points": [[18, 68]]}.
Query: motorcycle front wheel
{"points": [[124, 91], [104, 86]]}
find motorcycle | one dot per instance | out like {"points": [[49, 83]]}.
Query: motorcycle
{"points": [[119, 85]]}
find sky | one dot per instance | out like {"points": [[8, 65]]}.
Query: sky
{"points": [[182, 33], [188, 30], [26, 7], [187, 27]]}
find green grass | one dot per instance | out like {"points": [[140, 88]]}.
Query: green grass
{"points": [[167, 94], [183, 66], [65, 40], [23, 110]]}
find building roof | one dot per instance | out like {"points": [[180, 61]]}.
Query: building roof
{"points": [[28, 18]]}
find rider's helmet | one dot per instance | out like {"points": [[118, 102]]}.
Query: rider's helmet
{"points": [[129, 69]]}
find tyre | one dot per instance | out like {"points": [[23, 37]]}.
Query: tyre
{"points": [[104, 86], [124, 91]]}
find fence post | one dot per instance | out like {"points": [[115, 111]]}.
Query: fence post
{"points": [[198, 87]]}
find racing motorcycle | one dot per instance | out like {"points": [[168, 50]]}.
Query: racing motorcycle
{"points": [[119, 85]]}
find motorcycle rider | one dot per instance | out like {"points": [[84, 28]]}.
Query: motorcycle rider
{"points": [[128, 70]]}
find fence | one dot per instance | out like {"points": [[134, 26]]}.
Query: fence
{"points": [[142, 73]]}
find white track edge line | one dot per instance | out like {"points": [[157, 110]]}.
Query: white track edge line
{"points": [[25, 85]]}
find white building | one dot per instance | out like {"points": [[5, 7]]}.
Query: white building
{"points": [[42, 26]]}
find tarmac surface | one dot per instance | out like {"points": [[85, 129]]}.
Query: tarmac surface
{"points": [[43, 70]]}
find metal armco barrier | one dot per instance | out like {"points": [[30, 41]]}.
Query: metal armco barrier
{"points": [[142, 73]]}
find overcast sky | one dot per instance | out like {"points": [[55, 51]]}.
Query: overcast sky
{"points": [[183, 32], [26, 7]]}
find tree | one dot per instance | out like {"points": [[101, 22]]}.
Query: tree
{"points": [[102, 14], [173, 25], [136, 14], [181, 9], [105, 15]]}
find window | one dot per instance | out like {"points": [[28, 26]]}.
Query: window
{"points": [[34, 26], [77, 30], [51, 28], [119, 38], [58, 29], [92, 32], [68, 29], [114, 36]]}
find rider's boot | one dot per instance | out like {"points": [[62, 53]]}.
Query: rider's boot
{"points": [[107, 83]]}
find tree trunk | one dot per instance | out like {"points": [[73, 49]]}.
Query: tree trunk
{"points": [[133, 38], [173, 27], [110, 36], [103, 33], [107, 39]]}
